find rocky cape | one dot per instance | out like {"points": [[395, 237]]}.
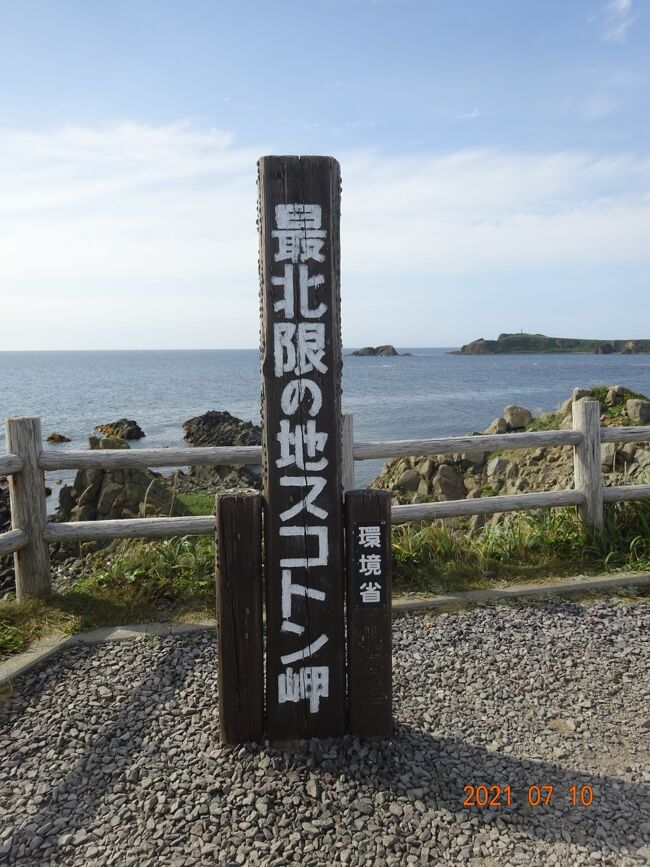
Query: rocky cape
{"points": [[512, 344], [470, 475]]}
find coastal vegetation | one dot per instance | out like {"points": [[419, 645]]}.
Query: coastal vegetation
{"points": [[509, 344]]}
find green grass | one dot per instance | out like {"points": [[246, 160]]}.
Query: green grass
{"points": [[198, 503], [433, 558], [142, 581]]}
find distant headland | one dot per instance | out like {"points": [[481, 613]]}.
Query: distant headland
{"points": [[511, 344]]}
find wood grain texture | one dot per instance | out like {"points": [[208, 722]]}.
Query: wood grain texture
{"points": [[369, 634], [295, 658], [129, 528], [347, 452], [53, 459], [238, 553], [10, 464], [12, 541], [485, 506], [28, 508], [623, 493], [586, 461], [625, 434], [457, 445]]}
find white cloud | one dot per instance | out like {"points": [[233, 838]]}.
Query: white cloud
{"points": [[617, 17], [163, 217]]}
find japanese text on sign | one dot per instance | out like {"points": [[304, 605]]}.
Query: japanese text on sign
{"points": [[369, 564], [298, 351]]}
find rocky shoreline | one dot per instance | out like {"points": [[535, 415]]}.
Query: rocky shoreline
{"points": [[432, 478]]}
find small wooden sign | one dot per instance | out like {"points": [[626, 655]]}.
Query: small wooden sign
{"points": [[369, 590], [299, 215]]}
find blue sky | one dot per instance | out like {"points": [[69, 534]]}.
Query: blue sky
{"points": [[495, 161]]}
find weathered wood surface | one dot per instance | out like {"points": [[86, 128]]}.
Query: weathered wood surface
{"points": [[10, 464], [53, 459], [485, 506], [620, 494], [586, 461], [369, 635], [347, 452], [460, 445], [28, 508], [238, 553], [625, 434], [299, 215], [12, 541], [129, 528]]}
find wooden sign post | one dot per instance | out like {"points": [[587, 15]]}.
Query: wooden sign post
{"points": [[299, 215]]}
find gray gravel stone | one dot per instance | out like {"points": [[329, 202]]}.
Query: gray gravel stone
{"points": [[110, 754]]}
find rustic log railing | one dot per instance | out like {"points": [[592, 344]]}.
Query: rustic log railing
{"points": [[31, 533]]}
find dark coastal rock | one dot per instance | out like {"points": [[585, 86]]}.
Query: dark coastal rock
{"points": [[98, 494], [125, 428], [58, 438], [216, 428], [604, 349], [385, 351], [7, 579], [5, 511]]}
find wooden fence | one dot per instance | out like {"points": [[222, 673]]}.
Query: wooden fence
{"points": [[31, 533]]}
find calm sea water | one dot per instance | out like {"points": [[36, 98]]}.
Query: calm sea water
{"points": [[430, 393]]}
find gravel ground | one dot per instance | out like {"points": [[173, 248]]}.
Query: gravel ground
{"points": [[110, 754]]}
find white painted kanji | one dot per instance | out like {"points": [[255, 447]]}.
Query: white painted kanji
{"points": [[294, 392], [290, 589], [298, 348], [370, 537], [370, 591], [304, 441], [306, 652], [316, 484], [370, 564], [298, 216], [300, 245], [311, 682], [307, 562]]}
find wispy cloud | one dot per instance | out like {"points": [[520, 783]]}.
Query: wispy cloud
{"points": [[154, 214], [469, 115], [617, 17]]}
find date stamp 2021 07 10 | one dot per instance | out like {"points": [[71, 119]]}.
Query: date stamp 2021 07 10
{"points": [[538, 796]]}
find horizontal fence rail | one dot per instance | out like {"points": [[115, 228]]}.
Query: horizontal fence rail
{"points": [[112, 459], [625, 434], [589, 494], [14, 540], [622, 494], [453, 445], [128, 528], [485, 506], [10, 464]]}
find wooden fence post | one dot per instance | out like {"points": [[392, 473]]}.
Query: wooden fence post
{"points": [[347, 443], [239, 616], [368, 561], [587, 465], [299, 225], [28, 508]]}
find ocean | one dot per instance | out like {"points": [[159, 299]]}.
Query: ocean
{"points": [[430, 393]]}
